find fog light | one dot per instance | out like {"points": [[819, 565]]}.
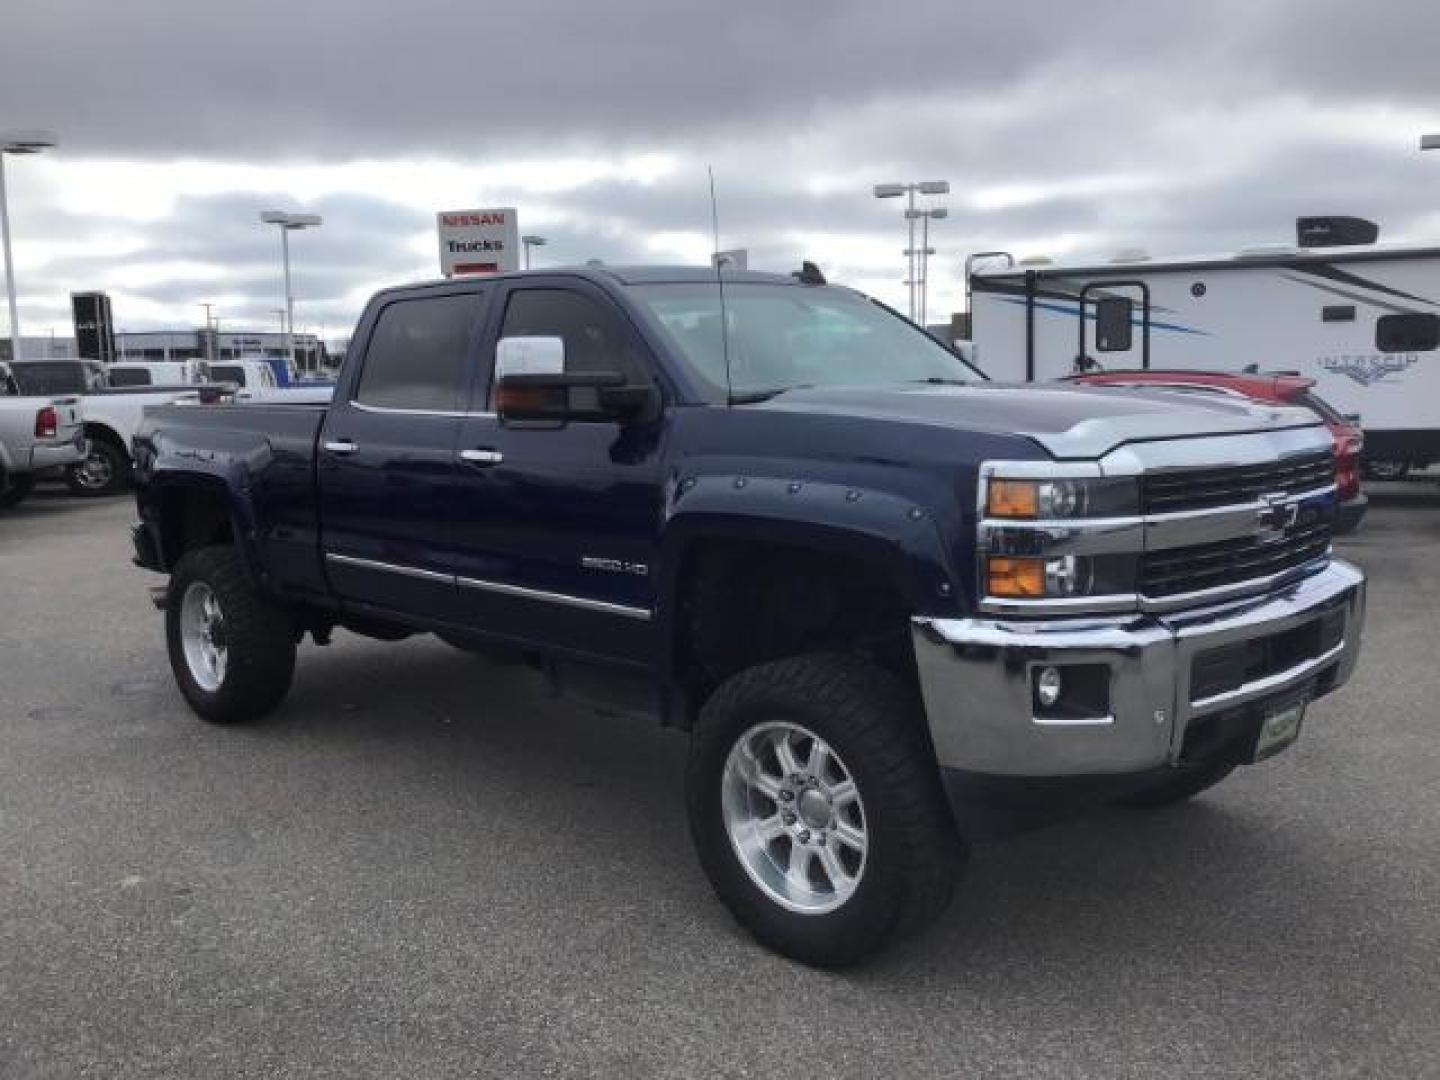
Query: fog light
{"points": [[1048, 685]]}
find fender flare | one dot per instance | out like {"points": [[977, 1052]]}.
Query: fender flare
{"points": [[888, 531], [223, 475]]}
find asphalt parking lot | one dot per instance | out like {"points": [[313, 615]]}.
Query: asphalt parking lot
{"points": [[425, 867]]}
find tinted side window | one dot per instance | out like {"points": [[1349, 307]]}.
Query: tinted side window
{"points": [[595, 338], [1407, 331], [416, 355], [130, 377], [228, 373]]}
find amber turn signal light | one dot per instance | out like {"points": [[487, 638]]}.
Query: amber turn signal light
{"points": [[1009, 577], [1013, 499]]}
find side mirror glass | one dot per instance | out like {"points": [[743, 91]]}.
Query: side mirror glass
{"points": [[529, 356]]}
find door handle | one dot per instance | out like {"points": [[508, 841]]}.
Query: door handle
{"points": [[482, 457], [341, 446]]}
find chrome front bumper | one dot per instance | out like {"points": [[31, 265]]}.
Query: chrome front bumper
{"points": [[977, 677]]}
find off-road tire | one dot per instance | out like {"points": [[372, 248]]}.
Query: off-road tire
{"points": [[1185, 784], [259, 639], [875, 725]]}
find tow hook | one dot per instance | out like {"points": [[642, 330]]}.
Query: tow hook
{"points": [[159, 596]]}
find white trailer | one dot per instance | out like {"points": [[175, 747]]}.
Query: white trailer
{"points": [[1362, 321]]}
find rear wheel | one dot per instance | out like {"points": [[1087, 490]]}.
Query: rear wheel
{"points": [[232, 651], [14, 489], [104, 471], [816, 809]]}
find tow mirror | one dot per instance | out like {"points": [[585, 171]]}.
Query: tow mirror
{"points": [[531, 384]]}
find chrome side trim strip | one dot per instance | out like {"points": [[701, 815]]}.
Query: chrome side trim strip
{"points": [[585, 602], [393, 568]]}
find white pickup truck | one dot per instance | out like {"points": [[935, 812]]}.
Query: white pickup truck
{"points": [[36, 433], [110, 416]]}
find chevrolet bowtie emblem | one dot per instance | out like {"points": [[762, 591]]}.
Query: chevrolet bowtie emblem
{"points": [[1277, 515]]}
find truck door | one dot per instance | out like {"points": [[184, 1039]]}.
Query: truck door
{"points": [[558, 526], [387, 455]]}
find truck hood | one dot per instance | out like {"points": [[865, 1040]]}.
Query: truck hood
{"points": [[1067, 421]]}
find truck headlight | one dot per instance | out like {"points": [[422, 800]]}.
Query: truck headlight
{"points": [[1035, 578], [1059, 499], [1057, 577]]}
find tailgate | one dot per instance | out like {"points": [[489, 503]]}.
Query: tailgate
{"points": [[67, 413]]}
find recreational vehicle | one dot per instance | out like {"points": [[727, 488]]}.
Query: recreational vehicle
{"points": [[1363, 321]]}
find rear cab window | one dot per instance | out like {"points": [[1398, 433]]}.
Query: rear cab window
{"points": [[416, 356]]}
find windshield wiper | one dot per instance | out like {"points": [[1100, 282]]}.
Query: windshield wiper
{"points": [[754, 397], [938, 380]]}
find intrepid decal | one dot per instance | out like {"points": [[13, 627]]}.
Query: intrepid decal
{"points": [[1368, 368]]}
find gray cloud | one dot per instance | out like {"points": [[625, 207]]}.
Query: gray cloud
{"points": [[1173, 127]]}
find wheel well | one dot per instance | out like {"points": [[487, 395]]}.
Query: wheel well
{"points": [[747, 603], [101, 433], [192, 517]]}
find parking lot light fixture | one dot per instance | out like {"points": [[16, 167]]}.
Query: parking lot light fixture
{"points": [[288, 222], [924, 187], [16, 142]]}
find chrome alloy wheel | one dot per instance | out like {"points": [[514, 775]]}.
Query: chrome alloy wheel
{"points": [[95, 472], [794, 816], [202, 633]]}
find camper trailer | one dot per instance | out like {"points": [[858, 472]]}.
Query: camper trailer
{"points": [[1362, 320]]}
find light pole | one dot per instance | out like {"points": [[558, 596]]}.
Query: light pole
{"points": [[16, 142], [209, 352], [287, 222], [891, 191], [924, 252], [532, 241]]}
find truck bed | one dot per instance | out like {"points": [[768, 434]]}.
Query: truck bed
{"points": [[265, 452]]}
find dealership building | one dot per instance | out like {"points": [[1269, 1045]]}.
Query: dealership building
{"points": [[310, 352]]}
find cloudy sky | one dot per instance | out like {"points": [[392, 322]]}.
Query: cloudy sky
{"points": [[1063, 128]]}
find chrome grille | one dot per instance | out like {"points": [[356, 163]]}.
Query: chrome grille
{"points": [[1206, 488], [1208, 566]]}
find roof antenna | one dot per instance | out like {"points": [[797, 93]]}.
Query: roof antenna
{"points": [[720, 285]]}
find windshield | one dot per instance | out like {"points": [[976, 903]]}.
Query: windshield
{"points": [[780, 337], [44, 377], [228, 373]]}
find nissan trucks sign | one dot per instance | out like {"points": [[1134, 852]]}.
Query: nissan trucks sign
{"points": [[478, 241]]}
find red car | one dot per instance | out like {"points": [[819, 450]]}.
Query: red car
{"points": [[1274, 389]]}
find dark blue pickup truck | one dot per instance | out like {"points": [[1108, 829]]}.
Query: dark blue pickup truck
{"points": [[880, 593]]}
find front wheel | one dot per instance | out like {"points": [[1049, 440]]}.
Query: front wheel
{"points": [[816, 809], [232, 651]]}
